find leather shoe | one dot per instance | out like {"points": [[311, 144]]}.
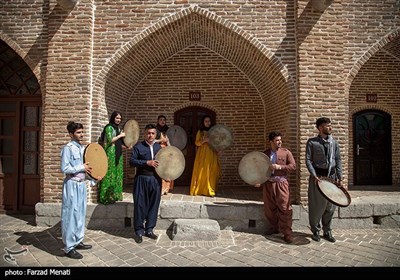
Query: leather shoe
{"points": [[151, 235], [138, 238], [328, 236], [316, 236], [288, 238], [82, 246], [73, 254]]}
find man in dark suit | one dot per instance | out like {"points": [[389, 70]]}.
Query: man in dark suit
{"points": [[146, 186]]}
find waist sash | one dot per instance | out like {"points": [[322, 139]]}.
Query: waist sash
{"points": [[78, 177], [145, 172], [277, 178]]}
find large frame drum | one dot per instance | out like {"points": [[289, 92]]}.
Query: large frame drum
{"points": [[220, 137], [334, 193], [177, 136], [171, 163], [97, 159], [132, 131], [255, 168]]}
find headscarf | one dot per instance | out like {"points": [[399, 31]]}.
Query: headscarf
{"points": [[202, 126], [161, 129]]}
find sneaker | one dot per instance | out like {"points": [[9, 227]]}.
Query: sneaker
{"points": [[73, 254]]}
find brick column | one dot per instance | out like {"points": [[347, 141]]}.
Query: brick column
{"points": [[67, 94]]}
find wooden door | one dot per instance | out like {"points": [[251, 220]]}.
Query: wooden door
{"points": [[29, 167], [19, 156], [190, 119], [9, 159], [372, 148]]}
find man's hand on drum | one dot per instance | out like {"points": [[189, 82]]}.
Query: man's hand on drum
{"points": [[88, 169], [275, 166], [153, 163], [317, 179], [340, 184]]}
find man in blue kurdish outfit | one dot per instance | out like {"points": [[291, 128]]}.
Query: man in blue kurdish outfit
{"points": [[73, 208], [146, 185]]}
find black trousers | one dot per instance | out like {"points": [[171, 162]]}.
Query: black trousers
{"points": [[146, 199]]}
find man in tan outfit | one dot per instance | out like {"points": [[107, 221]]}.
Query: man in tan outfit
{"points": [[277, 206]]}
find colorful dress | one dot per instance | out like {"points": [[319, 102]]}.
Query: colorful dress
{"points": [[112, 184], [206, 169]]}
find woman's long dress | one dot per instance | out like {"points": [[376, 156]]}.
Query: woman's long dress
{"points": [[166, 186], [112, 184], [206, 169]]}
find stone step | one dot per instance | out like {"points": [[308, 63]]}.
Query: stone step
{"points": [[195, 230], [246, 216]]}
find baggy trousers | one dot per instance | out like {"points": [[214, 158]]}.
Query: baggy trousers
{"points": [[277, 207], [319, 208]]}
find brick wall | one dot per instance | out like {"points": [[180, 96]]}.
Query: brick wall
{"points": [[261, 65]]}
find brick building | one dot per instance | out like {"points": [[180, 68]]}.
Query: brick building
{"points": [[256, 65]]}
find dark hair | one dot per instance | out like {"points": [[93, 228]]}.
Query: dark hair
{"points": [[73, 126], [202, 126], [113, 116], [161, 116], [273, 134], [150, 126], [321, 121], [111, 122]]}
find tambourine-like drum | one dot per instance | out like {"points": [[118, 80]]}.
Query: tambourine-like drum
{"points": [[131, 129], [220, 137], [177, 136], [97, 159], [171, 163], [332, 192], [255, 168]]}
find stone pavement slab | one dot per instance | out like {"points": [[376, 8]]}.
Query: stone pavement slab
{"points": [[35, 247]]}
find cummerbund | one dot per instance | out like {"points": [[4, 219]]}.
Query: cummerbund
{"points": [[321, 171], [145, 172]]}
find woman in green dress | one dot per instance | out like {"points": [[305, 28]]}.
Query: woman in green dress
{"points": [[112, 184]]}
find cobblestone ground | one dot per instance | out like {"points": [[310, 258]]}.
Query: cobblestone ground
{"points": [[25, 245]]}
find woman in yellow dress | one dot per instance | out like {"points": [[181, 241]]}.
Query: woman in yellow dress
{"points": [[206, 169]]}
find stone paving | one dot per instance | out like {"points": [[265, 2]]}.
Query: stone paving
{"points": [[25, 245]]}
